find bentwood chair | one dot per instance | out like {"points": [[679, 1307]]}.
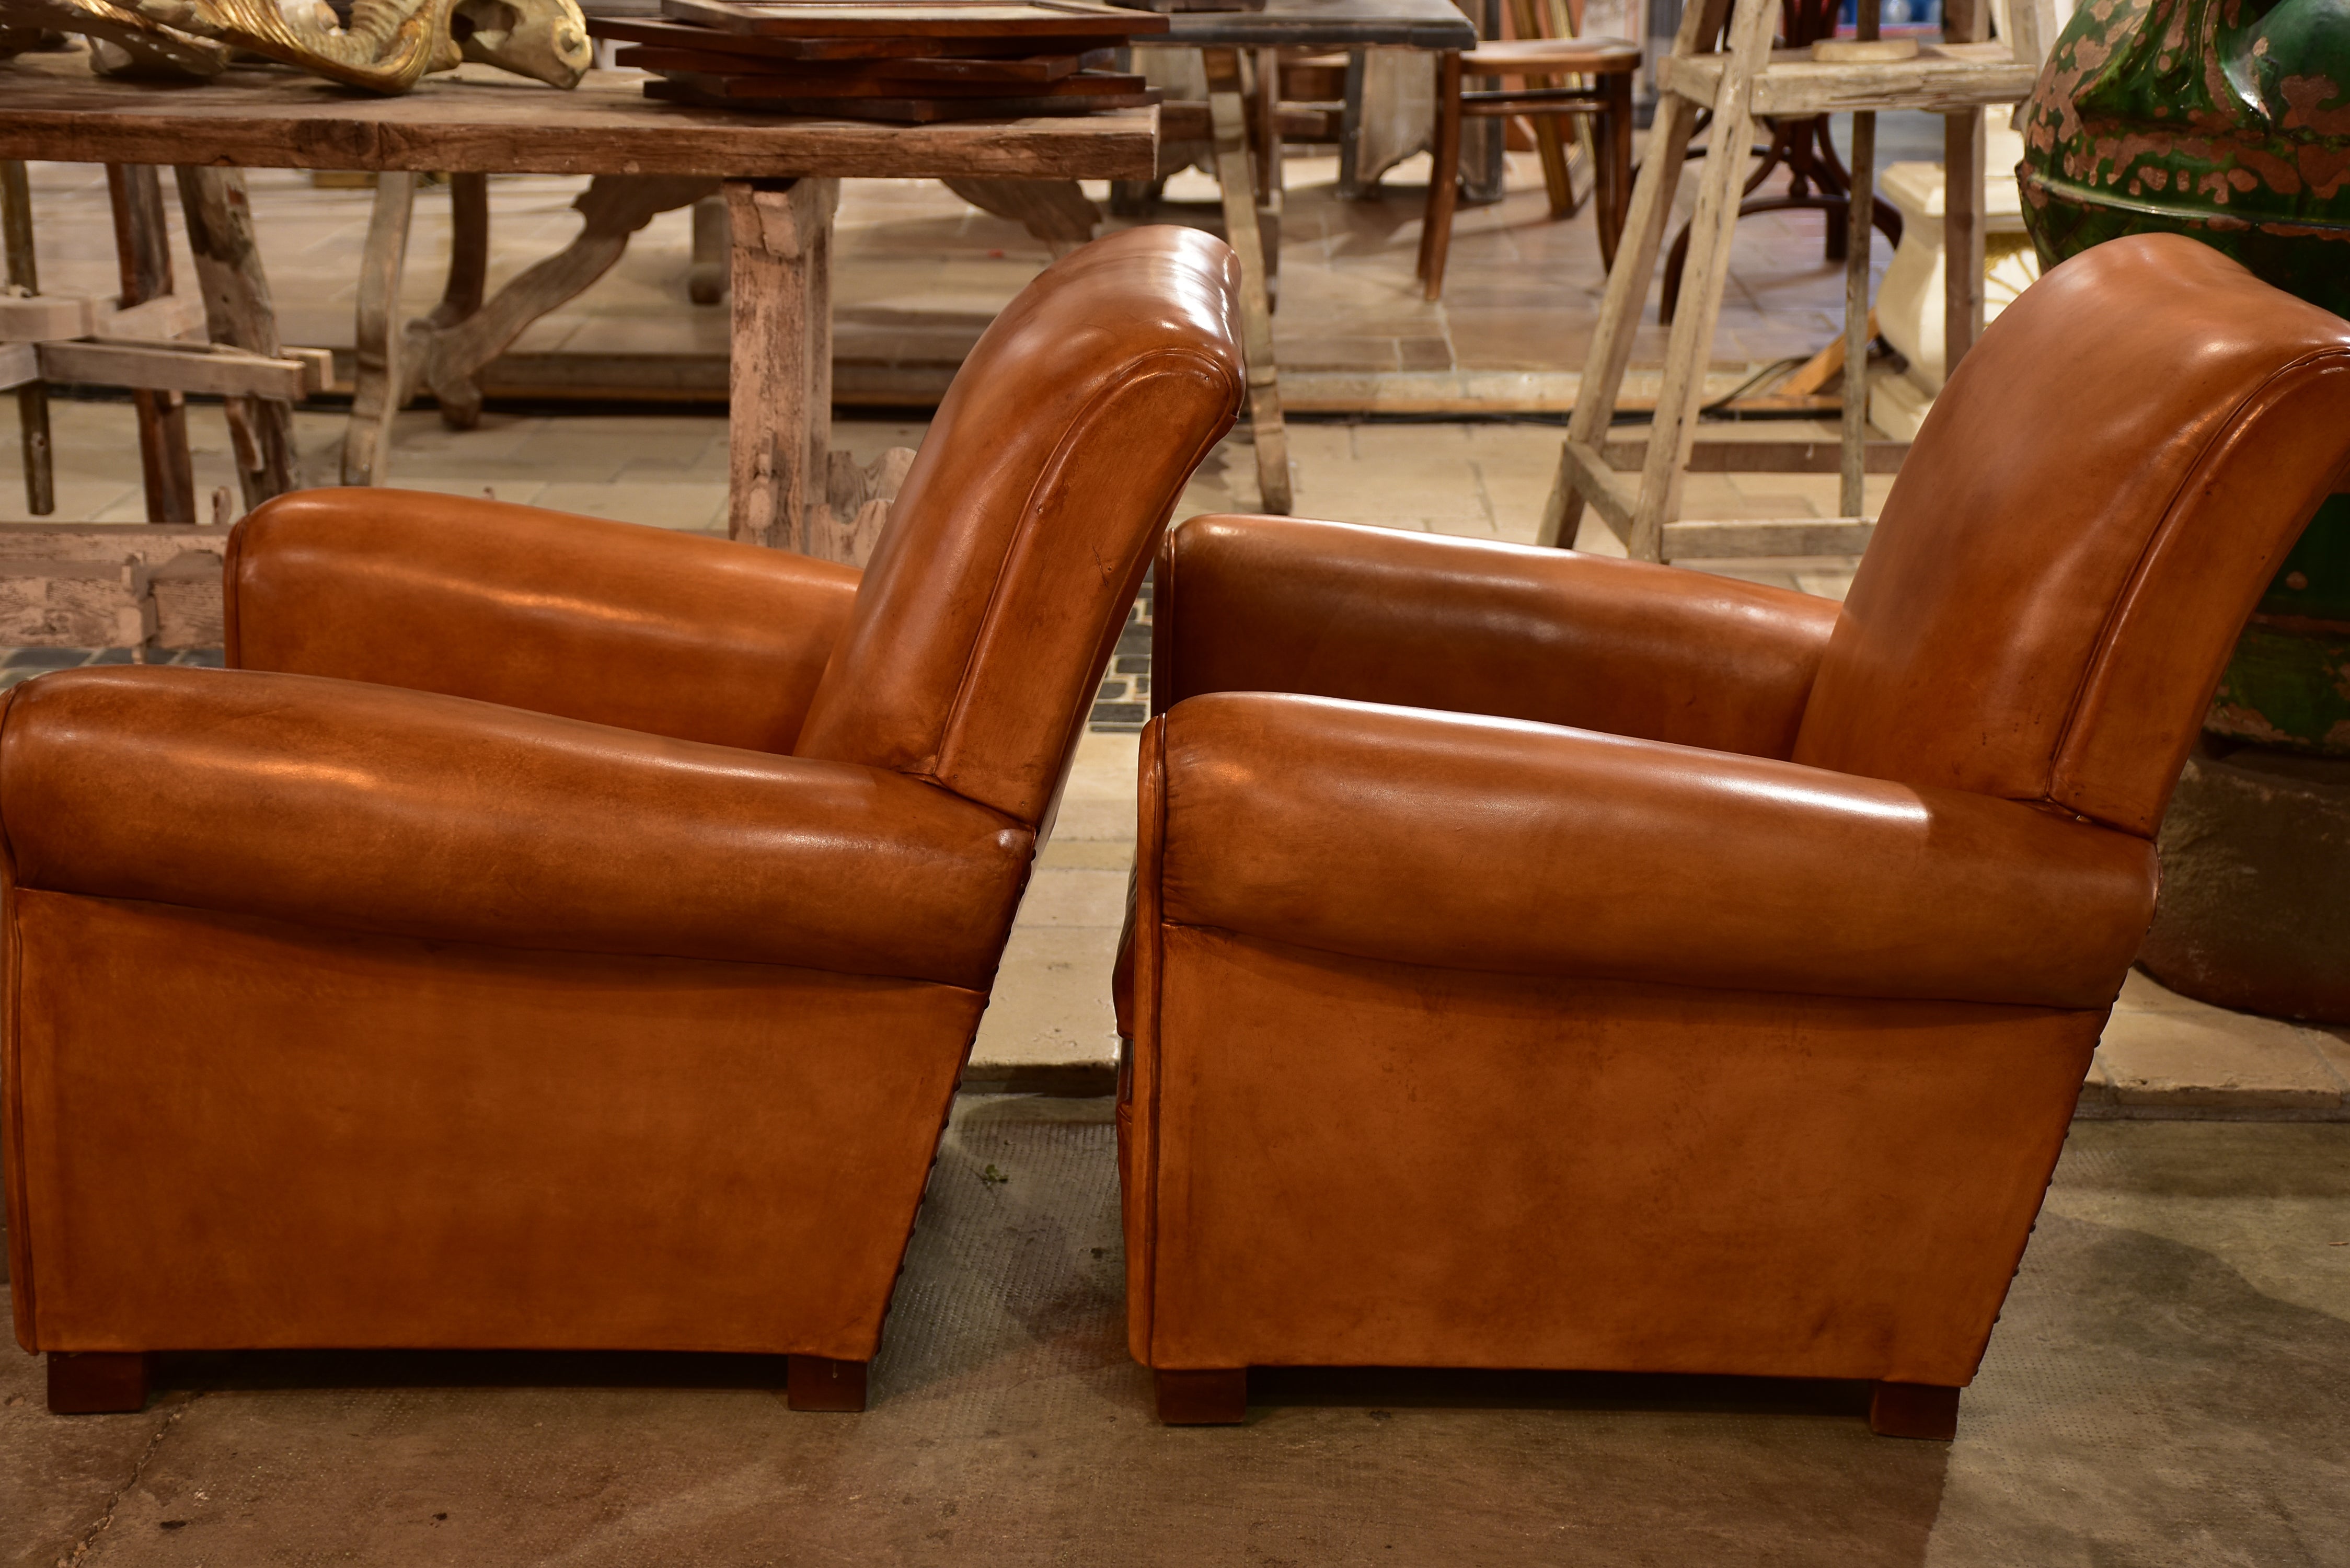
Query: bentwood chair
{"points": [[1608, 64]]}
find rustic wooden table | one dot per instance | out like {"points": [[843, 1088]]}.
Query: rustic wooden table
{"points": [[782, 179]]}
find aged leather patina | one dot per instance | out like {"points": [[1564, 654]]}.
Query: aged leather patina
{"points": [[1542, 960], [553, 933]]}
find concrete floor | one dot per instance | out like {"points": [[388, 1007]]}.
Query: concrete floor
{"points": [[2166, 1386]]}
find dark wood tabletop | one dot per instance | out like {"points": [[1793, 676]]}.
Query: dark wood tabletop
{"points": [[479, 121], [1324, 24]]}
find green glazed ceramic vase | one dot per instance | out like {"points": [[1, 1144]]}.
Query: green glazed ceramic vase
{"points": [[2227, 121]]}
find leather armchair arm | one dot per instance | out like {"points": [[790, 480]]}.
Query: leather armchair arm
{"points": [[1377, 614], [1483, 844], [372, 808], [671, 634]]}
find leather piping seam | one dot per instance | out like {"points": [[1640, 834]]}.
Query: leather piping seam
{"points": [[232, 568], [1150, 366], [12, 1058], [2253, 403], [981, 991], [1571, 976], [1152, 889]]}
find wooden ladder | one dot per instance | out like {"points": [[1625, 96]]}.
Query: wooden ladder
{"points": [[1744, 81]]}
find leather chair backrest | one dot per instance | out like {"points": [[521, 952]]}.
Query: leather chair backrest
{"points": [[2098, 500], [1033, 507]]}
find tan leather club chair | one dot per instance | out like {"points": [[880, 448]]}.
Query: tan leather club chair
{"points": [[557, 933], [1600, 965]]}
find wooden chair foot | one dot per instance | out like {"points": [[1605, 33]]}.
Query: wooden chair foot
{"points": [[818, 1383], [97, 1382], [1913, 1410], [1218, 1398]]}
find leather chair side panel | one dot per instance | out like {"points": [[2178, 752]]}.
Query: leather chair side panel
{"points": [[234, 1133], [1028, 518], [2088, 414], [1356, 1163], [1380, 615], [643, 629]]}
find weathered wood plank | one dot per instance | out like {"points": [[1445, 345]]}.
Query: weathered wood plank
{"points": [[1673, 428], [154, 368], [1591, 478], [45, 317], [143, 249], [171, 316], [477, 120], [379, 386], [446, 358], [1942, 78], [1859, 238], [781, 366], [1963, 198], [18, 266], [1746, 538], [1627, 286], [238, 312], [1228, 114], [1762, 456], [111, 586]]}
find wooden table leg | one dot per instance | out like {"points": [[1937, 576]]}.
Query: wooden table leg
{"points": [[143, 245], [1443, 178], [448, 351], [1963, 200], [1228, 111], [378, 383], [705, 279], [779, 376], [33, 401], [1859, 236], [238, 311], [1860, 211]]}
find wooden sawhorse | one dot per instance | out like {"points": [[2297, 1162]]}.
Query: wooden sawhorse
{"points": [[1744, 81]]}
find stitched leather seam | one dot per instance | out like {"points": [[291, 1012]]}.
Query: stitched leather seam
{"points": [[1160, 363], [20, 1203], [2254, 403]]}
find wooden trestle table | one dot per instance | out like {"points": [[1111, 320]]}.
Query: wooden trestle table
{"points": [[781, 177]]}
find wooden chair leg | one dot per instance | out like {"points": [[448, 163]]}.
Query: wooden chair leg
{"points": [[1550, 144], [818, 1383], [1443, 175], [1925, 1410], [1218, 1398], [1615, 155], [97, 1382]]}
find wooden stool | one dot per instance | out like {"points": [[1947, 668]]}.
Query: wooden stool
{"points": [[1610, 62]]}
